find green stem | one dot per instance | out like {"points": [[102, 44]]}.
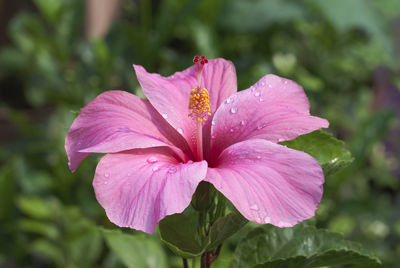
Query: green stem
{"points": [[185, 263]]}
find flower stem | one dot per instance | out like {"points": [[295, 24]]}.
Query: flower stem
{"points": [[185, 263]]}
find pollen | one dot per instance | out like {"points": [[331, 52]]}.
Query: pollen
{"points": [[199, 104]]}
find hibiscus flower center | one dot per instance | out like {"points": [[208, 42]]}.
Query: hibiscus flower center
{"points": [[199, 105]]}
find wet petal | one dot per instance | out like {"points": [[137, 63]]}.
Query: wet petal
{"points": [[117, 121], [275, 109], [139, 188], [269, 183], [170, 95]]}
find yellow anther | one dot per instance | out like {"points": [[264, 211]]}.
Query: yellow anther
{"points": [[199, 104]]}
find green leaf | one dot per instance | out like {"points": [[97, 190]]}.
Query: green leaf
{"points": [[224, 227], [7, 192], [37, 207], [49, 8], [257, 14], [300, 246], [329, 152], [136, 251], [179, 232]]}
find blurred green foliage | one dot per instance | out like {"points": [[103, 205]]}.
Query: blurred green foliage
{"points": [[49, 217]]}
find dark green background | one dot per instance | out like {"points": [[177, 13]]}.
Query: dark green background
{"points": [[345, 53]]}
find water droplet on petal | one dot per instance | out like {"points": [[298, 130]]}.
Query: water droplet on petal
{"points": [[252, 88], [258, 157], [213, 123], [213, 136], [231, 130], [257, 94], [107, 175], [285, 82], [189, 162], [172, 170], [243, 122], [229, 100], [267, 220], [105, 182], [155, 168], [152, 160], [263, 83], [234, 110], [261, 126], [165, 116], [280, 140], [269, 85], [219, 186], [254, 207], [261, 99], [180, 131]]}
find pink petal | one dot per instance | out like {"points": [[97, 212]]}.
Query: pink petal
{"points": [[139, 188], [269, 183], [117, 121], [170, 95], [275, 109]]}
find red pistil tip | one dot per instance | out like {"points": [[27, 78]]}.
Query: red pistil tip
{"points": [[200, 61]]}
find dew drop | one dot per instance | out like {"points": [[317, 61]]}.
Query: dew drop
{"points": [[105, 182], [263, 83], [257, 94], [155, 168], [172, 170], [152, 160], [232, 130], [213, 123], [258, 157], [213, 136], [107, 175], [261, 126], [280, 140], [252, 88], [267, 220], [285, 82], [219, 186], [165, 116], [180, 131], [254, 207], [234, 110], [261, 99], [229, 100], [243, 122], [269, 85]]}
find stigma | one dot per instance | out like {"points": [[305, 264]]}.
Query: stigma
{"points": [[199, 101]]}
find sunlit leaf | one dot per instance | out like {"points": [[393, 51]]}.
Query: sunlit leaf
{"points": [[330, 152], [298, 247]]}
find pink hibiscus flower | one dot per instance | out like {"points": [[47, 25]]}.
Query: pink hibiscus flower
{"points": [[159, 150]]}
